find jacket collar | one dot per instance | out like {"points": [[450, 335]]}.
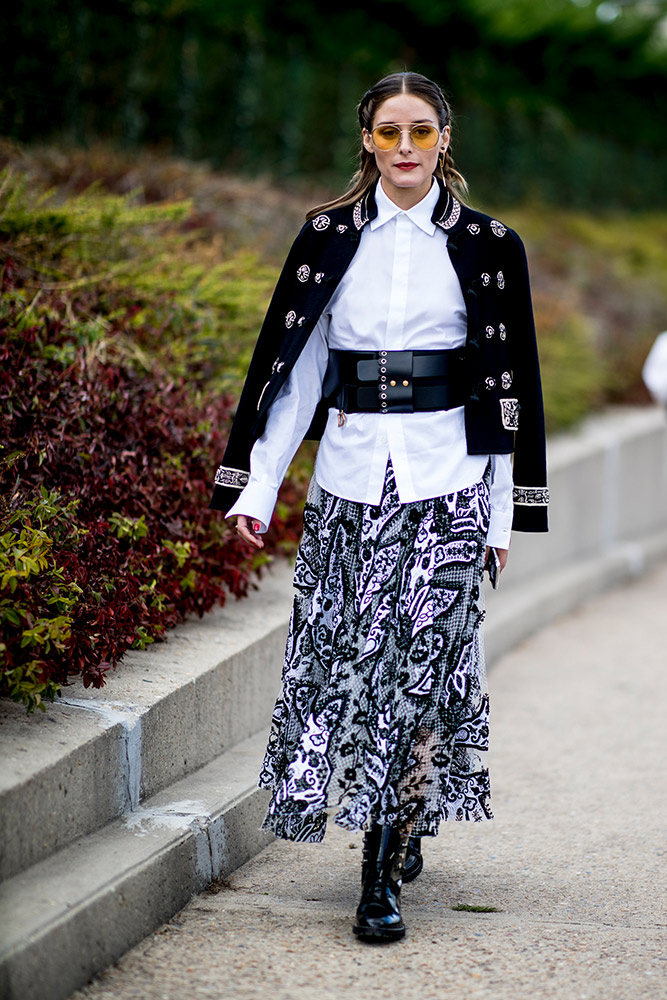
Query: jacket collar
{"points": [[446, 214]]}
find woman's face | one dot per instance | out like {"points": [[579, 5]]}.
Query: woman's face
{"points": [[406, 170]]}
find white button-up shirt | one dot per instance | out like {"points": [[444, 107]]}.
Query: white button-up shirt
{"points": [[400, 293]]}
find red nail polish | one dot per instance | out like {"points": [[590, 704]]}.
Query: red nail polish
{"points": [[256, 525]]}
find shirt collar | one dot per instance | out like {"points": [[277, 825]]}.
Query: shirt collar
{"points": [[420, 213]]}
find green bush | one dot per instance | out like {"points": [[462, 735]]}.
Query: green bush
{"points": [[574, 376], [36, 597], [600, 287], [168, 294]]}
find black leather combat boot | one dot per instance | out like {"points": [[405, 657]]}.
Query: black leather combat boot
{"points": [[378, 914], [414, 861]]}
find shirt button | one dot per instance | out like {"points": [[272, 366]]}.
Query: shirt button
{"points": [[405, 382], [392, 382]]}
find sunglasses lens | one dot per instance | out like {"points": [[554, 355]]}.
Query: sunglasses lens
{"points": [[424, 136], [386, 136]]}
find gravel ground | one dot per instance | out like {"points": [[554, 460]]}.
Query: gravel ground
{"points": [[574, 863]]}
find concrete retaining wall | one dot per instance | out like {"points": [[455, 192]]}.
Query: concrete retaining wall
{"points": [[608, 522], [166, 711], [608, 483], [170, 749]]}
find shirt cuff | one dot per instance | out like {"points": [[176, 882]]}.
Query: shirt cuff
{"points": [[500, 529], [256, 502]]}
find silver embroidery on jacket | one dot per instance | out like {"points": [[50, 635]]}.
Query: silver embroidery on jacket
{"points": [[506, 380], [509, 414], [497, 228], [453, 216], [500, 279], [531, 496], [321, 222], [303, 273], [226, 476]]}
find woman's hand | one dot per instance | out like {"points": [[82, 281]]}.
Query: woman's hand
{"points": [[247, 529], [502, 556]]}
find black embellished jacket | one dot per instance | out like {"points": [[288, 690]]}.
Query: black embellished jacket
{"points": [[503, 408]]}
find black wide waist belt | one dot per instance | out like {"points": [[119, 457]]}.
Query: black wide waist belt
{"points": [[396, 381]]}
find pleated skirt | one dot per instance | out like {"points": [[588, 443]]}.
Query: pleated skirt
{"points": [[383, 716]]}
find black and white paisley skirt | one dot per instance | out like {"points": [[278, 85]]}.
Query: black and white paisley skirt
{"points": [[383, 715]]}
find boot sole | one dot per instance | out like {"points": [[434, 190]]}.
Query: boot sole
{"points": [[379, 934]]}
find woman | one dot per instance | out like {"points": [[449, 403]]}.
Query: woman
{"points": [[401, 333]]}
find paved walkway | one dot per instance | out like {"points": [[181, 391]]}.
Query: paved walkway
{"points": [[574, 864]]}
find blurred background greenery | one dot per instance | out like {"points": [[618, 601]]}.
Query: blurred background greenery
{"points": [[557, 100]]}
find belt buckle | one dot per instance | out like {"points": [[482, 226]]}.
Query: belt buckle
{"points": [[395, 381]]}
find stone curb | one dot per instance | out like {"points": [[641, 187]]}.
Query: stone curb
{"points": [[75, 913], [168, 711]]}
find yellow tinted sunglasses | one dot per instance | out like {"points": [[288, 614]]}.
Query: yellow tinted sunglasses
{"points": [[423, 136]]}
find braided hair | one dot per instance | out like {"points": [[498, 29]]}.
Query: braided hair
{"points": [[367, 173]]}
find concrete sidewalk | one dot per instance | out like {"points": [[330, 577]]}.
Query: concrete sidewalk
{"points": [[574, 863]]}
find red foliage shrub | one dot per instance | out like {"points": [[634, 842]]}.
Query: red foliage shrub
{"points": [[137, 452]]}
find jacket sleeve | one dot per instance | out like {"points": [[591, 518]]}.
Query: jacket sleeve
{"points": [[531, 496], [233, 474], [288, 420]]}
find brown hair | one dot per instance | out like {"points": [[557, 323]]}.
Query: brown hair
{"points": [[368, 173]]}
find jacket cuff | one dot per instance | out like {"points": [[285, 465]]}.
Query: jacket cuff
{"points": [[530, 518], [256, 502]]}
